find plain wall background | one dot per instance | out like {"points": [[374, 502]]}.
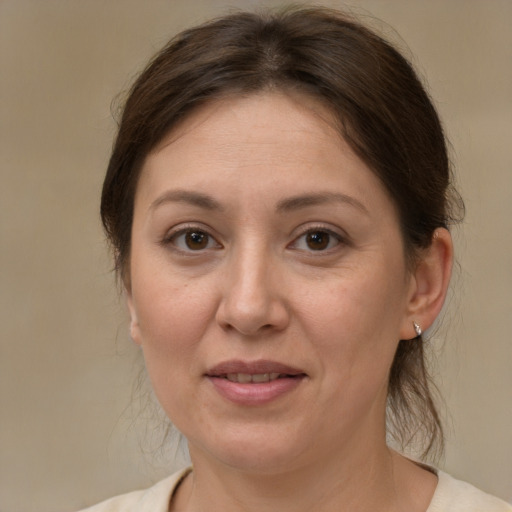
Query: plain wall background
{"points": [[68, 432]]}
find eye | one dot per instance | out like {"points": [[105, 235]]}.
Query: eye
{"points": [[192, 239], [317, 240]]}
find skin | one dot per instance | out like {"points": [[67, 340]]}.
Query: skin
{"points": [[256, 287]]}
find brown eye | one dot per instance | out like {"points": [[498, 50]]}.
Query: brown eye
{"points": [[318, 240], [193, 240], [196, 240]]}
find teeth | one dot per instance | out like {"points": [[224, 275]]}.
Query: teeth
{"points": [[264, 377], [245, 378]]}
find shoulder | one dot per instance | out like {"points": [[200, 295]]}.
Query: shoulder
{"points": [[154, 499], [453, 495]]}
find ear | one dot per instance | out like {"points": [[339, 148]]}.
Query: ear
{"points": [[429, 284], [134, 323]]}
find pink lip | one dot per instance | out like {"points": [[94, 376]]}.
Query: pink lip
{"points": [[254, 393], [252, 367]]}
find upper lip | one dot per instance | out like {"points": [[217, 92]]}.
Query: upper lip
{"points": [[252, 368]]}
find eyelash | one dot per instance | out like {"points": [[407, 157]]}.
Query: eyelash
{"points": [[315, 230], [171, 239], [211, 242]]}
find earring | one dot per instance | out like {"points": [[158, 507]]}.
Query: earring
{"points": [[417, 329]]}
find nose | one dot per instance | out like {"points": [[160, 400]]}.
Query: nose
{"points": [[253, 298]]}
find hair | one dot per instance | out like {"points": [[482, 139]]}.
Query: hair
{"points": [[382, 111]]}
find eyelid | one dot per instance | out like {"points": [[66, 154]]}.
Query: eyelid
{"points": [[182, 229], [341, 237]]}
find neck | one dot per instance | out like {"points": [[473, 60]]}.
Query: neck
{"points": [[356, 481]]}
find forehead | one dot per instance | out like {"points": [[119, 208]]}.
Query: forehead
{"points": [[271, 144], [243, 120]]}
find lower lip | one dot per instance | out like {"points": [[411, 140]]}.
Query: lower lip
{"points": [[258, 393]]}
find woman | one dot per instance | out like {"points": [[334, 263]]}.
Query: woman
{"points": [[278, 200]]}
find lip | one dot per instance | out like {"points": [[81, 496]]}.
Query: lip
{"points": [[255, 393], [252, 367]]}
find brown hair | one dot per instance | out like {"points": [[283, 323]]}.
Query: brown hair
{"points": [[380, 105]]}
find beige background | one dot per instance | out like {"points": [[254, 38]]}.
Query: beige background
{"points": [[68, 429]]}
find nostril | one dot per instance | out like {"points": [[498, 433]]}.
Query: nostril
{"points": [[251, 310]]}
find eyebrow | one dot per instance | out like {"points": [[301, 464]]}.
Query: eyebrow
{"points": [[186, 196], [285, 205], [307, 200]]}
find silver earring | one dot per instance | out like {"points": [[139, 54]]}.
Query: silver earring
{"points": [[417, 328]]}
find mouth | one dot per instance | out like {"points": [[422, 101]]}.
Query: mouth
{"points": [[254, 383], [254, 372], [246, 378]]}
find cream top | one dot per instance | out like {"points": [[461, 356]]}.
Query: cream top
{"points": [[451, 495]]}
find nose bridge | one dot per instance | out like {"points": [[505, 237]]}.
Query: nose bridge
{"points": [[251, 273], [251, 300]]}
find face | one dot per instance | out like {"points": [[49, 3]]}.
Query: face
{"points": [[268, 287]]}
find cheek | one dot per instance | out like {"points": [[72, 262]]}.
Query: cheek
{"points": [[170, 306], [355, 325], [172, 322], [173, 314]]}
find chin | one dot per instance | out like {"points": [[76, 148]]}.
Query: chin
{"points": [[262, 452]]}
